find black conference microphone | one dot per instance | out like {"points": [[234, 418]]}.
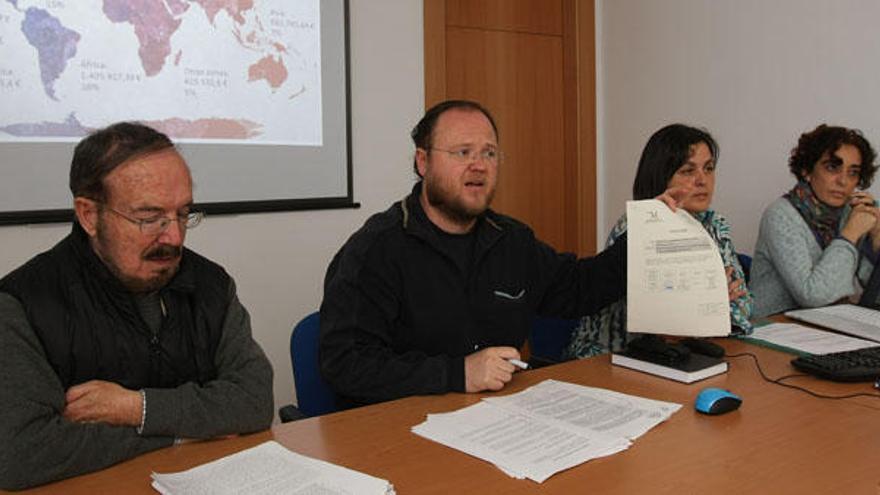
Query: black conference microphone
{"points": [[655, 349], [704, 347]]}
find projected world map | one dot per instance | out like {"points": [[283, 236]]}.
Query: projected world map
{"points": [[199, 70]]}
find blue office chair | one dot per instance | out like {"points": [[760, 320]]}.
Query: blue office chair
{"points": [[746, 262], [548, 339], [313, 395]]}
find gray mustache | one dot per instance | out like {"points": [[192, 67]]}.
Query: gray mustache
{"points": [[162, 252]]}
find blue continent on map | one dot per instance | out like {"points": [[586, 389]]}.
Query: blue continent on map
{"points": [[70, 127], [55, 45]]}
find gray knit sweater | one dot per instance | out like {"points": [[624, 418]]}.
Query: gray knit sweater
{"points": [[38, 445], [790, 269]]}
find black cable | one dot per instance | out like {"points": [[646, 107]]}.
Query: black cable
{"points": [[778, 381]]}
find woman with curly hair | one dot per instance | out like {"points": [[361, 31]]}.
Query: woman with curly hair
{"points": [[676, 156], [820, 240]]}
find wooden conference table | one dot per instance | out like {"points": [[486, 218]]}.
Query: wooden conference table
{"points": [[779, 441]]}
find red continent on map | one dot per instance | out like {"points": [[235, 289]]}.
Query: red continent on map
{"points": [[232, 7], [153, 26], [210, 128], [177, 7], [270, 69]]}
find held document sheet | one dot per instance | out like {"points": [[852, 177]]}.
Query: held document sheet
{"points": [[675, 282]]}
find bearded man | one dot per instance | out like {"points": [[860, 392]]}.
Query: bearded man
{"points": [[119, 340], [438, 293]]}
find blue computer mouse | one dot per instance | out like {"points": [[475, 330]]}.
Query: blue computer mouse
{"points": [[714, 400]]}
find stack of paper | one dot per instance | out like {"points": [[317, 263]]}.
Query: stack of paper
{"points": [[546, 428], [853, 320], [806, 339], [269, 468]]}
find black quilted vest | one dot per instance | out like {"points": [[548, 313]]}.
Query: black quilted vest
{"points": [[91, 329]]}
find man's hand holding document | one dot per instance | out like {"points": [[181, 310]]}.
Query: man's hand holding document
{"points": [[676, 284]]}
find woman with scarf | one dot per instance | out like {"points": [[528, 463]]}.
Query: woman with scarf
{"points": [[675, 156], [819, 241]]}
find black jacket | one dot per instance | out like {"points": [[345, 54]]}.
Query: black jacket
{"points": [[399, 315], [71, 321], [91, 329]]}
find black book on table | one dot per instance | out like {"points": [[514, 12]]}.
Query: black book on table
{"points": [[691, 368]]}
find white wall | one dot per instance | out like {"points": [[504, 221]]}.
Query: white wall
{"points": [[279, 259], [755, 73]]}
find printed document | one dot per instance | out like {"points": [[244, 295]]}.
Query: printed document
{"points": [[587, 409], [847, 318], [269, 468], [806, 339], [675, 280], [546, 428]]}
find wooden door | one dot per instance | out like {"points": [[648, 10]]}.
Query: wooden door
{"points": [[531, 63]]}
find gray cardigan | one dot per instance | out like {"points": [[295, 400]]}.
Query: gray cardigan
{"points": [[790, 269]]}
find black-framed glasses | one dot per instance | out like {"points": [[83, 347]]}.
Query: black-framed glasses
{"points": [[157, 224], [467, 155]]}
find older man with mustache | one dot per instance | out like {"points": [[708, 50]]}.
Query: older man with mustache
{"points": [[119, 340]]}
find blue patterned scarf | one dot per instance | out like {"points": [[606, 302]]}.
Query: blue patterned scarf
{"points": [[822, 219]]}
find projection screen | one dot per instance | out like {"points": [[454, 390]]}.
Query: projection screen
{"points": [[255, 93]]}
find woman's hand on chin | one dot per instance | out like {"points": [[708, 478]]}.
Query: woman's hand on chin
{"points": [[862, 219]]}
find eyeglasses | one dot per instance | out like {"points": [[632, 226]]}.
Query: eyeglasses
{"points": [[158, 224], [467, 155]]}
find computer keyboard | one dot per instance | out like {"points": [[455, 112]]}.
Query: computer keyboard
{"points": [[860, 365]]}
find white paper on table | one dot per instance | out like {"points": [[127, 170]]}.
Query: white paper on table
{"points": [[675, 280], [589, 409], [520, 445], [806, 339], [546, 428], [269, 468]]}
